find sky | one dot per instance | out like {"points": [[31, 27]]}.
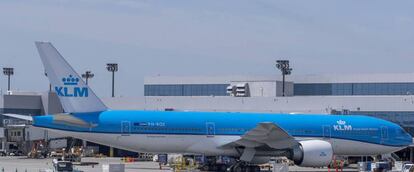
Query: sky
{"points": [[204, 38]]}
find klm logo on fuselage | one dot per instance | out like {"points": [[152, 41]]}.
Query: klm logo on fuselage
{"points": [[342, 126], [70, 88]]}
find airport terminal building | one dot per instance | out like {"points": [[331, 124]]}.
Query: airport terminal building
{"points": [[386, 96]]}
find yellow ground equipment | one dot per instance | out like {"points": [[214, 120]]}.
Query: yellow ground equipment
{"points": [[181, 164]]}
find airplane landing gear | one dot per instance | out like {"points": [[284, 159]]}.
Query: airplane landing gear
{"points": [[234, 165], [212, 165], [244, 167]]}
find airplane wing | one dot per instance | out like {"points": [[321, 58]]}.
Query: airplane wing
{"points": [[265, 134]]}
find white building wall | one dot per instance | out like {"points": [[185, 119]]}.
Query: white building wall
{"points": [[262, 89], [259, 88]]}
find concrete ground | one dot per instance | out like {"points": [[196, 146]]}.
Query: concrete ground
{"points": [[23, 164]]}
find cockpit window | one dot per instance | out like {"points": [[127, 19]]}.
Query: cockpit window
{"points": [[401, 131]]}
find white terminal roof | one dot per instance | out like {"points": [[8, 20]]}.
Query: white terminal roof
{"points": [[324, 78]]}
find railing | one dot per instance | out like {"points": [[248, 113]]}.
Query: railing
{"points": [[15, 122]]}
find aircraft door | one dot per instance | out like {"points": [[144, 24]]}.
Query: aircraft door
{"points": [[126, 127], [326, 129], [384, 133], [211, 129]]}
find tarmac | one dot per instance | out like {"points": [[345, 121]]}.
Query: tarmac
{"points": [[24, 164]]}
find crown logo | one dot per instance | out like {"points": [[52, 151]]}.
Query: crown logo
{"points": [[70, 80], [341, 122]]}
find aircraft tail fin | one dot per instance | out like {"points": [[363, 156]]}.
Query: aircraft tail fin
{"points": [[72, 91]]}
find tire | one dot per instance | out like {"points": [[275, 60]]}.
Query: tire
{"points": [[222, 168], [239, 169]]}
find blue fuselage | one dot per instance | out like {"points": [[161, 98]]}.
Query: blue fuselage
{"points": [[356, 128]]}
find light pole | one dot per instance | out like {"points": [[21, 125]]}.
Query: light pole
{"points": [[112, 67], [87, 75], [50, 85], [8, 71], [283, 66]]}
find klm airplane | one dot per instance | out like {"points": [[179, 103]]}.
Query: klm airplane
{"points": [[309, 140]]}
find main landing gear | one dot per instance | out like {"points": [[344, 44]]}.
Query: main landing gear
{"points": [[214, 167], [241, 166], [233, 165], [213, 163]]}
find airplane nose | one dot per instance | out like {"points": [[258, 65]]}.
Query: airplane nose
{"points": [[400, 136]]}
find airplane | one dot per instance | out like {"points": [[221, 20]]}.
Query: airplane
{"points": [[309, 140]]}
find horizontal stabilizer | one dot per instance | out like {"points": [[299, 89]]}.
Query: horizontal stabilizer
{"points": [[70, 120], [17, 116]]}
